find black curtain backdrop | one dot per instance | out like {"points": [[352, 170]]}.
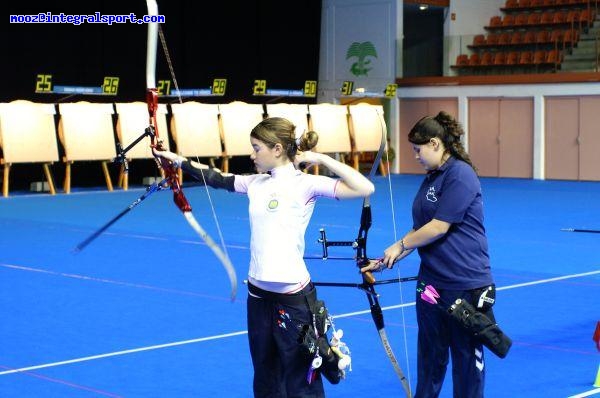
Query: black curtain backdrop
{"points": [[239, 40]]}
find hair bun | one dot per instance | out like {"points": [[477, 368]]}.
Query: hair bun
{"points": [[444, 119]]}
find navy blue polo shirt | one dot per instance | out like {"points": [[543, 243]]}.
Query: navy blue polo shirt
{"points": [[459, 260]]}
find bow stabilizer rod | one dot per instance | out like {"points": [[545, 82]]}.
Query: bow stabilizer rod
{"points": [[592, 231], [149, 191]]}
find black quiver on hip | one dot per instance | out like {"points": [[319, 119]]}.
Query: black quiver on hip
{"points": [[482, 327]]}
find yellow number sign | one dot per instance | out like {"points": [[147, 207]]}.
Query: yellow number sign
{"points": [[260, 87], [163, 87], [390, 90], [43, 84], [110, 85], [218, 87], [310, 88], [347, 88]]}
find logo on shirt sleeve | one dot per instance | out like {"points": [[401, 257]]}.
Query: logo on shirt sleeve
{"points": [[431, 194]]}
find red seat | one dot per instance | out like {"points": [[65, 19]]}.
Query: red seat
{"points": [[511, 4], [547, 18], [526, 58], [516, 37], [504, 38], [495, 21], [554, 57], [462, 60], [508, 20], [556, 36], [587, 17], [500, 58], [479, 40], [512, 58], [573, 18], [570, 37], [559, 17], [529, 37], [543, 36], [486, 59], [492, 38], [539, 57], [534, 18], [474, 59], [521, 19]]}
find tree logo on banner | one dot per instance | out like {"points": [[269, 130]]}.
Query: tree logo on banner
{"points": [[362, 51]]}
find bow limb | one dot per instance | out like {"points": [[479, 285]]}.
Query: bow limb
{"points": [[368, 280], [171, 175], [221, 255]]}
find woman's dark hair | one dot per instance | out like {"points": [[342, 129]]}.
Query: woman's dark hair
{"points": [[277, 130], [444, 127]]}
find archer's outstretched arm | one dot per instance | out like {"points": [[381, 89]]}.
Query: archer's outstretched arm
{"points": [[205, 174]]}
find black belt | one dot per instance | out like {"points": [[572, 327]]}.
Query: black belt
{"points": [[307, 295]]}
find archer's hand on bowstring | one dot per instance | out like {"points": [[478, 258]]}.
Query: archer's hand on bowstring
{"points": [[304, 160], [374, 265], [391, 255], [352, 183], [394, 253]]}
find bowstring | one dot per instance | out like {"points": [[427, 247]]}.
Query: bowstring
{"points": [[163, 42], [395, 232]]}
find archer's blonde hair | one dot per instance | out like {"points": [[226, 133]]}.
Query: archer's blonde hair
{"points": [[277, 130]]}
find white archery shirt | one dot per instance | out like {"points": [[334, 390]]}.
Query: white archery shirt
{"points": [[281, 204]]}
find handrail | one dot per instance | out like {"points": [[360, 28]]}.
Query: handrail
{"points": [[597, 55], [524, 78]]}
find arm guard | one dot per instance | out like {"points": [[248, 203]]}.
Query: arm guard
{"points": [[211, 176]]}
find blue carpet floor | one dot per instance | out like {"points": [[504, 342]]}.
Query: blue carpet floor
{"points": [[144, 310]]}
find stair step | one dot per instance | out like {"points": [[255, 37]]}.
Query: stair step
{"points": [[583, 65], [580, 57], [583, 56]]}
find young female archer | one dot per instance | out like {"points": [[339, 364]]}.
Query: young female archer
{"points": [[282, 199]]}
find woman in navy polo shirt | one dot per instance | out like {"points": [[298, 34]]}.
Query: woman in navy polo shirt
{"points": [[449, 234]]}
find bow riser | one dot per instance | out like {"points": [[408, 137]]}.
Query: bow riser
{"points": [[362, 259], [169, 169]]}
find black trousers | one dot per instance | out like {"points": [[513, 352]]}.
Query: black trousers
{"points": [[441, 336], [280, 364]]}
